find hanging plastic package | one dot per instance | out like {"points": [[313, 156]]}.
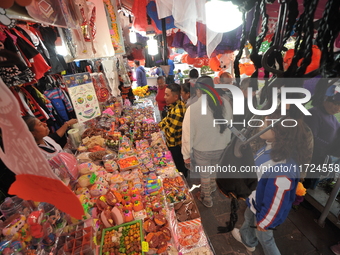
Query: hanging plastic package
{"points": [[100, 41], [53, 12], [100, 86], [88, 25]]}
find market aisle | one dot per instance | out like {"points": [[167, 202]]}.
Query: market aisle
{"points": [[298, 235]]}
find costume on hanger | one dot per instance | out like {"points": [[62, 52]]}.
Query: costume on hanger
{"points": [[49, 36], [112, 76], [40, 67], [60, 102], [17, 74]]}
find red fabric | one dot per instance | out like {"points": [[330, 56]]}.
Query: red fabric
{"points": [[35, 107], [316, 56], [137, 54], [43, 189], [201, 32], [160, 99], [170, 39], [39, 65], [139, 10], [155, 27], [337, 42]]}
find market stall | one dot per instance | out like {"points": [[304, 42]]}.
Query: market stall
{"points": [[134, 200], [115, 188]]}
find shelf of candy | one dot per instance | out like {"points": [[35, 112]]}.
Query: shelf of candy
{"points": [[175, 189], [110, 162], [78, 241], [124, 129], [157, 142], [146, 160], [123, 239], [92, 144], [32, 231], [126, 147], [142, 145], [113, 106], [191, 236], [128, 163], [157, 233], [89, 132], [142, 113], [186, 210]]}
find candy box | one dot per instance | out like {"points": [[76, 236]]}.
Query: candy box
{"points": [[128, 163], [186, 210], [190, 234], [79, 242], [125, 238]]}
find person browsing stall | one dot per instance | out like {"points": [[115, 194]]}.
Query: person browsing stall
{"points": [[271, 201], [201, 139], [185, 94], [171, 125], [324, 126], [48, 143], [160, 96], [140, 74]]}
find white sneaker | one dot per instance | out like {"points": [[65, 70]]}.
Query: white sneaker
{"points": [[236, 234]]}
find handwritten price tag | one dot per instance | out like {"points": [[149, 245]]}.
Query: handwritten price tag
{"points": [[145, 246]]}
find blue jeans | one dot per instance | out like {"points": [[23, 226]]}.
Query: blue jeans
{"points": [[251, 236]]}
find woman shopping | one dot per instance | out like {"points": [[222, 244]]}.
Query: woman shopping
{"points": [[201, 139], [48, 143]]}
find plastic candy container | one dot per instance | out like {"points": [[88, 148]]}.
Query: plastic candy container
{"points": [[128, 163]]}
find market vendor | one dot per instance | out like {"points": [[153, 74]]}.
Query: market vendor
{"points": [[324, 126], [171, 125], [48, 143], [160, 96]]}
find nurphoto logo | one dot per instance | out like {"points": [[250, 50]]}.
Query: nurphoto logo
{"points": [[238, 105]]}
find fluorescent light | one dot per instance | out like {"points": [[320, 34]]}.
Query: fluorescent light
{"points": [[152, 46], [61, 50], [222, 16]]}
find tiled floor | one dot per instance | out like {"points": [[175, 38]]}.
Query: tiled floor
{"points": [[298, 235]]}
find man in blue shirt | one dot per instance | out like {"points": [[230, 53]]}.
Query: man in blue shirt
{"points": [[140, 74], [171, 77]]}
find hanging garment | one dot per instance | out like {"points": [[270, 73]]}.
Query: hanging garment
{"points": [[22, 102], [39, 65], [42, 101], [18, 73], [111, 73], [186, 20], [34, 106], [60, 103], [49, 36], [164, 8], [152, 12], [139, 10], [24, 109], [34, 38]]}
